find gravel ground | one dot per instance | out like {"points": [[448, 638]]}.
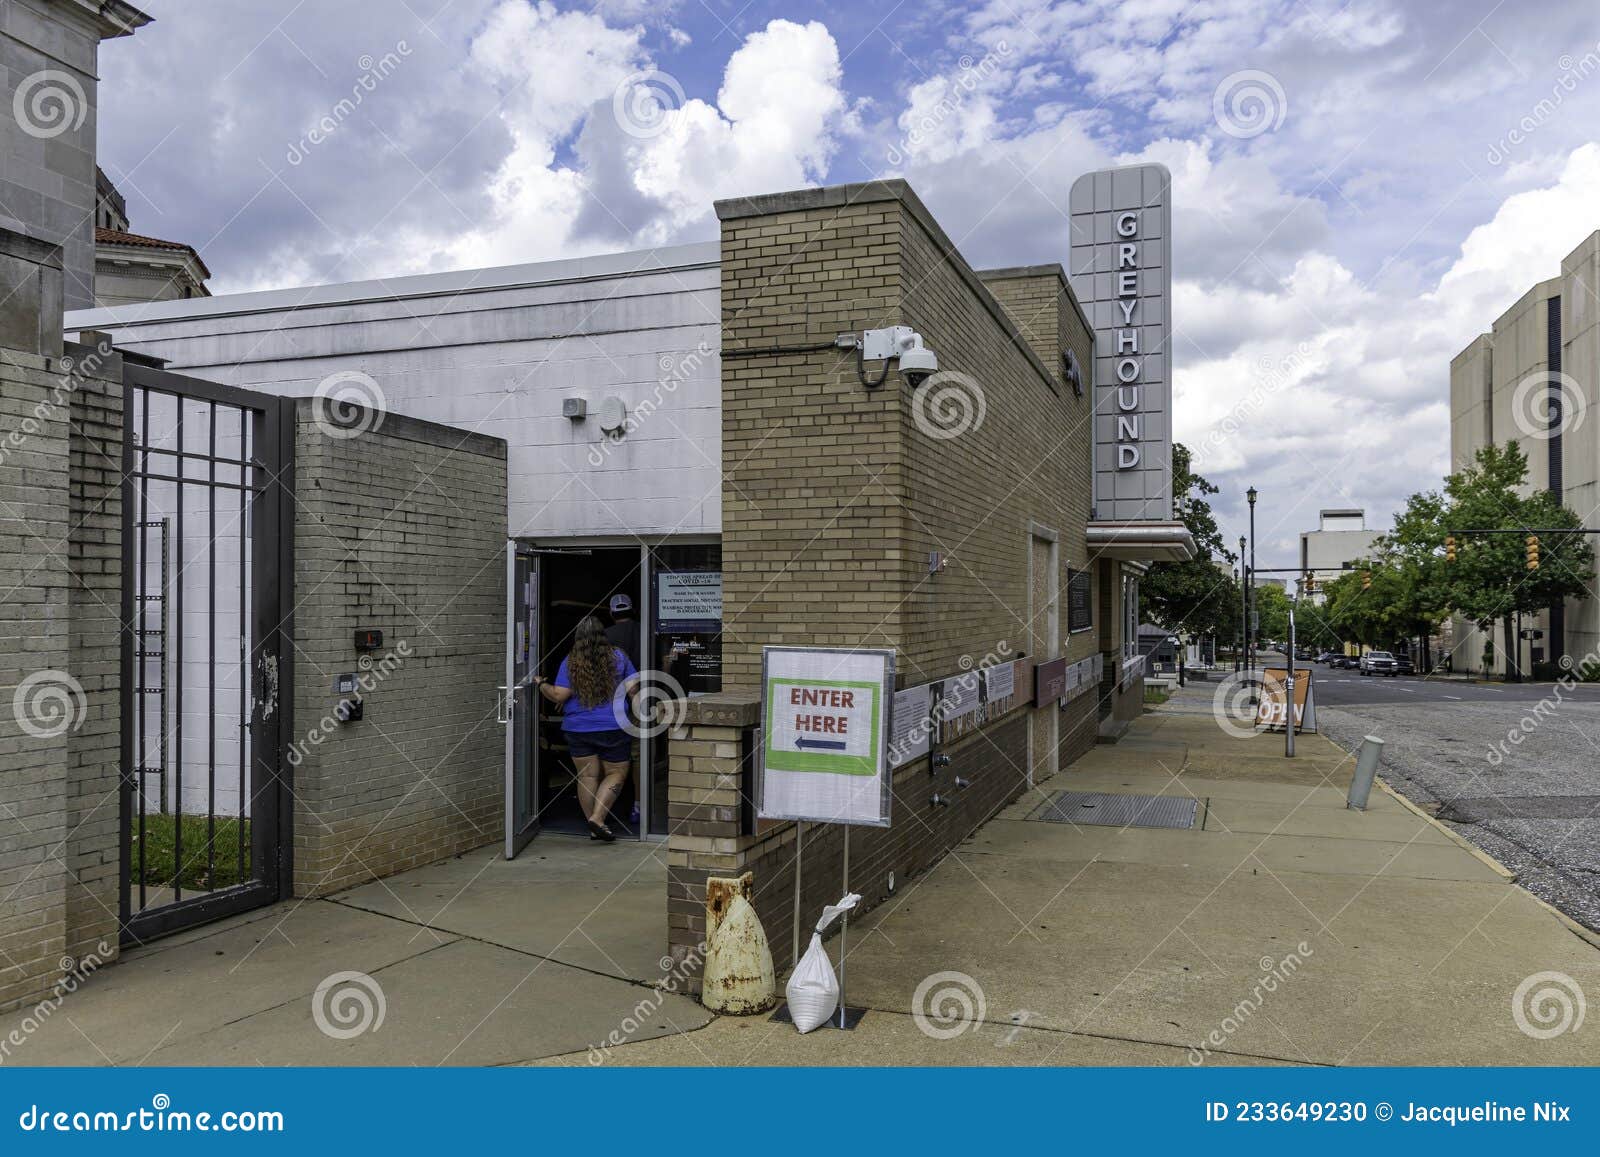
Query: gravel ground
{"points": [[1534, 805]]}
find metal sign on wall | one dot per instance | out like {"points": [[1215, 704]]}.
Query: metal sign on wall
{"points": [[1121, 222], [825, 735]]}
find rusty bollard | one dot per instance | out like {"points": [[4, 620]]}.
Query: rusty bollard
{"points": [[739, 977]]}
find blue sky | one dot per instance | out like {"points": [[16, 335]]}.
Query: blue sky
{"points": [[1361, 185]]}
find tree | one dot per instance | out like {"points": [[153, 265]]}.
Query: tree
{"points": [[1489, 580], [1272, 611], [1195, 596]]}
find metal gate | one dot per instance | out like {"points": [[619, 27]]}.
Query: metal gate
{"points": [[207, 486]]}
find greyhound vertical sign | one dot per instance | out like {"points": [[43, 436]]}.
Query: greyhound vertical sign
{"points": [[825, 735]]}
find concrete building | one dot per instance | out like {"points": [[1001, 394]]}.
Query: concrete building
{"points": [[607, 379], [1533, 379], [458, 467], [1341, 538], [49, 52], [130, 267]]}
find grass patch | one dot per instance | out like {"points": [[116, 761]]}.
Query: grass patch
{"points": [[160, 847]]}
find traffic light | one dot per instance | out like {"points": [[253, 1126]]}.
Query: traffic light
{"points": [[1366, 580], [1449, 548], [1311, 583], [1533, 552]]}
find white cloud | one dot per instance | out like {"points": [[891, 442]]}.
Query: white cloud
{"points": [[775, 126]]}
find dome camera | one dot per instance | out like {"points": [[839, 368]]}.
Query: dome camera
{"points": [[918, 363]]}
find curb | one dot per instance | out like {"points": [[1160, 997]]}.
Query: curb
{"points": [[1489, 861]]}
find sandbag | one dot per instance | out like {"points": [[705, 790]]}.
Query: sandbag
{"points": [[813, 989]]}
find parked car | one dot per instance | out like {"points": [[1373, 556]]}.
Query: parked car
{"points": [[1404, 666], [1303, 654], [1379, 663]]}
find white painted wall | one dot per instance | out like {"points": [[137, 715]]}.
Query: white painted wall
{"points": [[495, 351]]}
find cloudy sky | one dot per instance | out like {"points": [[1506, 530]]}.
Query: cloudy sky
{"points": [[1361, 186]]}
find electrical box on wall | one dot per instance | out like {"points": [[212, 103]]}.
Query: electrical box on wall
{"points": [[368, 638], [575, 408]]}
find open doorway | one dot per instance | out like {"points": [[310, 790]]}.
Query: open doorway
{"points": [[574, 583], [676, 646]]}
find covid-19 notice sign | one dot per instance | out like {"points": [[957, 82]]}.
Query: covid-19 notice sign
{"points": [[825, 751]]}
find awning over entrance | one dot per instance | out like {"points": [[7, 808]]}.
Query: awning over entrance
{"points": [[1141, 541]]}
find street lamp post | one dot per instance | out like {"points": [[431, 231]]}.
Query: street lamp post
{"points": [[1250, 496], [1238, 639], [1244, 613]]}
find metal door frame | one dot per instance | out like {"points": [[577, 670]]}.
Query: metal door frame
{"points": [[271, 636], [519, 701]]}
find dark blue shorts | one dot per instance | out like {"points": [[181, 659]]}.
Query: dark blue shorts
{"points": [[614, 746]]}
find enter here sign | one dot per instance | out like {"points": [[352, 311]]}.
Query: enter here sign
{"points": [[824, 735], [836, 720]]}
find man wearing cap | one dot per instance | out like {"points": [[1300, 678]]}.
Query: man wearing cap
{"points": [[624, 629]]}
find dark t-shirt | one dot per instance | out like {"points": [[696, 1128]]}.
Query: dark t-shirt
{"points": [[624, 635]]}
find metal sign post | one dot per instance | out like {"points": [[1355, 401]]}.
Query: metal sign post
{"points": [[825, 754], [844, 927], [1288, 730]]}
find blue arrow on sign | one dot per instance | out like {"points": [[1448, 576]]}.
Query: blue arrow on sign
{"points": [[833, 744]]}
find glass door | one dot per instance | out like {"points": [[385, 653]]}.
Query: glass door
{"points": [[521, 713]]}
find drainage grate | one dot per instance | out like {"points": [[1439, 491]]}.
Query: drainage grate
{"points": [[1108, 809]]}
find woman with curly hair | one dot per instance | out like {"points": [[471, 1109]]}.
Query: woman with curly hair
{"points": [[592, 689]]}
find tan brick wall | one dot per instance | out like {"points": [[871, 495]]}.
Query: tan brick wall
{"points": [[835, 495], [94, 749], [60, 542], [34, 639], [402, 528]]}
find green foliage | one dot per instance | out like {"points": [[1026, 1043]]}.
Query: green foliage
{"points": [[1490, 579], [1196, 596], [1413, 587]]}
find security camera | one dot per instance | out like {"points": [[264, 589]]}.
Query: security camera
{"points": [[919, 363], [899, 343]]}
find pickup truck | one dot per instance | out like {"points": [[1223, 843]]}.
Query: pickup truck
{"points": [[1379, 663]]}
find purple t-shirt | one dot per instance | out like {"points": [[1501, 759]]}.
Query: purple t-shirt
{"points": [[610, 716]]}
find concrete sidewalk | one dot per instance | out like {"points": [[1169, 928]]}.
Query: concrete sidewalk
{"points": [[1284, 928], [472, 961]]}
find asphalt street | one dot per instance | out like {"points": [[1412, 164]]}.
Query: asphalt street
{"points": [[1514, 768]]}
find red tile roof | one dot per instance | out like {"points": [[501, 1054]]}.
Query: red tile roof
{"points": [[118, 237]]}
